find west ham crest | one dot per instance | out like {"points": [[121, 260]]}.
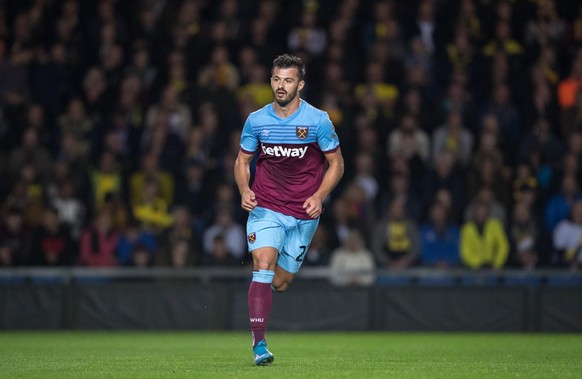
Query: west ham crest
{"points": [[252, 237], [301, 132]]}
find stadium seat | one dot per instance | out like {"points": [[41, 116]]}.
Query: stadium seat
{"points": [[46, 279], [12, 280], [393, 280], [522, 280], [479, 280], [436, 280], [564, 281]]}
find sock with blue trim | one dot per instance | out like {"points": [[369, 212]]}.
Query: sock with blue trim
{"points": [[260, 299]]}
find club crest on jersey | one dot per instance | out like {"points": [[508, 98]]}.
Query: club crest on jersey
{"points": [[252, 237], [301, 132]]}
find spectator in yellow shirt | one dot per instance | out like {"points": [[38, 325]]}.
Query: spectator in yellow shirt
{"points": [[152, 211], [483, 240]]}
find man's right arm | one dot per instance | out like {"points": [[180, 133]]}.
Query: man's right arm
{"points": [[242, 175]]}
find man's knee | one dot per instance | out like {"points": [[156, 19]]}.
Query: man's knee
{"points": [[263, 265], [264, 259]]}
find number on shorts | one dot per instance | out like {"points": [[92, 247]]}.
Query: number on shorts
{"points": [[303, 251]]}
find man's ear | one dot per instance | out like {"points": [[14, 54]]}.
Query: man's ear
{"points": [[301, 85]]}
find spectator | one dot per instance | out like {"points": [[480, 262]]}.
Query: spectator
{"points": [[396, 240], [135, 239], [439, 240], [182, 243], [142, 255], [524, 181], [220, 72], [400, 190], [179, 255], [30, 151], [445, 174], [70, 208], [488, 174], [487, 196], [194, 191], [256, 89], [541, 139], [365, 175], [220, 254], [567, 238], [483, 241], [96, 93], [28, 202], [76, 123], [425, 24], [351, 263], [502, 40], [52, 245], [233, 233], [524, 237], [150, 170], [308, 36], [171, 109], [99, 243], [106, 179], [15, 243], [559, 205], [375, 86], [455, 138], [506, 112], [409, 141], [152, 210], [116, 207]]}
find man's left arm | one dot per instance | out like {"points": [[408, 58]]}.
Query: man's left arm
{"points": [[314, 204]]}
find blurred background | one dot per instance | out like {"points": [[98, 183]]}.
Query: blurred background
{"points": [[460, 123]]}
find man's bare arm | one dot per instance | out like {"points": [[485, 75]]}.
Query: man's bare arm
{"points": [[314, 204], [242, 176]]}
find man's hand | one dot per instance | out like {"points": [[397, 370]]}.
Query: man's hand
{"points": [[313, 206], [248, 200]]}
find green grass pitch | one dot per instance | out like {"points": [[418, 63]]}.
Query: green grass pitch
{"points": [[297, 355]]}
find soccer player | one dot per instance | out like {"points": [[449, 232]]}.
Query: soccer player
{"points": [[294, 141]]}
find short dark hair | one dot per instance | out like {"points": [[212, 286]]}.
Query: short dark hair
{"points": [[288, 61]]}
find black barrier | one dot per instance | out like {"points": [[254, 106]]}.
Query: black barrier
{"points": [[216, 300]]}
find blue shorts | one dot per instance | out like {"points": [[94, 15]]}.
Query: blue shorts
{"points": [[289, 235]]}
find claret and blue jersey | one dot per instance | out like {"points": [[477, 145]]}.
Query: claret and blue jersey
{"points": [[290, 165]]}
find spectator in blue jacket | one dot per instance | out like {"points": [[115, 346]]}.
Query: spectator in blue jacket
{"points": [[559, 205], [439, 240]]}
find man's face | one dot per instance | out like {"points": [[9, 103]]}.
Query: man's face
{"points": [[286, 85]]}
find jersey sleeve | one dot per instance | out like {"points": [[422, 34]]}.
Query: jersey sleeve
{"points": [[327, 138], [248, 140]]}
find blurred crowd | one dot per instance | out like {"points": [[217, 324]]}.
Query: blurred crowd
{"points": [[460, 123]]}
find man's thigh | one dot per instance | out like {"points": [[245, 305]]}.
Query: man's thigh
{"points": [[296, 244], [264, 230]]}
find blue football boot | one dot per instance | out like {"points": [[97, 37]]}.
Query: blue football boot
{"points": [[262, 355]]}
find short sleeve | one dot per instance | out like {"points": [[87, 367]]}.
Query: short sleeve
{"points": [[327, 138], [248, 140]]}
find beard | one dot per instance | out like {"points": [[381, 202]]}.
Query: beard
{"points": [[285, 100]]}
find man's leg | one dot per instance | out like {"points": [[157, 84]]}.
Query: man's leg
{"points": [[282, 279], [260, 295], [291, 257]]}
